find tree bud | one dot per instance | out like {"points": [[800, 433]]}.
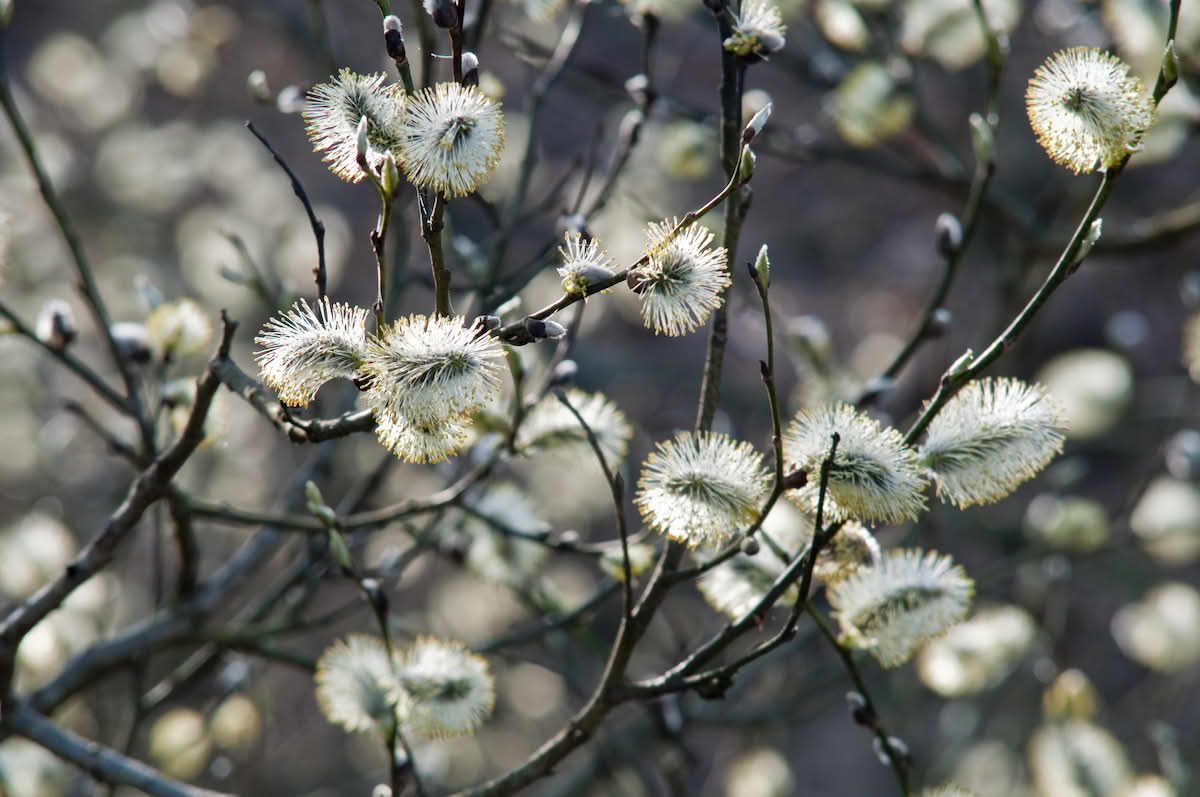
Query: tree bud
{"points": [[1089, 240], [1170, 63], [444, 13], [563, 373], [757, 122], [56, 324], [746, 166], [257, 86], [762, 267], [470, 68], [540, 329], [983, 139], [949, 233], [939, 322], [362, 145], [390, 176]]}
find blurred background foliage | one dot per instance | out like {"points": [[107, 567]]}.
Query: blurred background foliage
{"points": [[1087, 607]]}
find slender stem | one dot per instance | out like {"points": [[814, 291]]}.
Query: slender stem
{"points": [[83, 267], [1066, 265], [431, 230], [378, 242], [150, 485], [73, 363], [733, 72], [898, 764], [103, 763], [318, 227], [516, 334], [456, 49], [546, 78], [616, 486]]}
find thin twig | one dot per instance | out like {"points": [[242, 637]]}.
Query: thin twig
{"points": [[102, 763], [733, 72], [149, 486], [898, 764], [1068, 262], [318, 227], [298, 430], [83, 267], [617, 488], [73, 363]]}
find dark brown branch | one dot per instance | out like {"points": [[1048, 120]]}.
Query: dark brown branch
{"points": [[298, 430], [318, 227], [149, 486]]}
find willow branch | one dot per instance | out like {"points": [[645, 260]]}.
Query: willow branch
{"points": [[102, 763], [318, 227], [83, 267], [150, 485]]}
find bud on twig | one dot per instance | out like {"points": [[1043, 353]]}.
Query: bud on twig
{"points": [[444, 13], [393, 38], [757, 123], [939, 322], [131, 341], [959, 366], [376, 594], [470, 68], [746, 166], [638, 88], [362, 145], [1170, 63], [256, 85], [390, 176], [762, 268], [563, 373], [1089, 240], [56, 324], [949, 233], [751, 546], [898, 746], [540, 329], [983, 139], [860, 710]]}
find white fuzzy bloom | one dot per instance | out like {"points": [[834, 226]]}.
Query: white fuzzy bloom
{"points": [[333, 111], [988, 439], [303, 350], [735, 587], [356, 687], [550, 427], [683, 281], [497, 556], [426, 369], [977, 654], [56, 325], [451, 138], [1088, 112], [895, 607], [698, 488], [875, 477], [421, 442], [178, 328], [450, 690], [758, 30], [584, 264]]}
